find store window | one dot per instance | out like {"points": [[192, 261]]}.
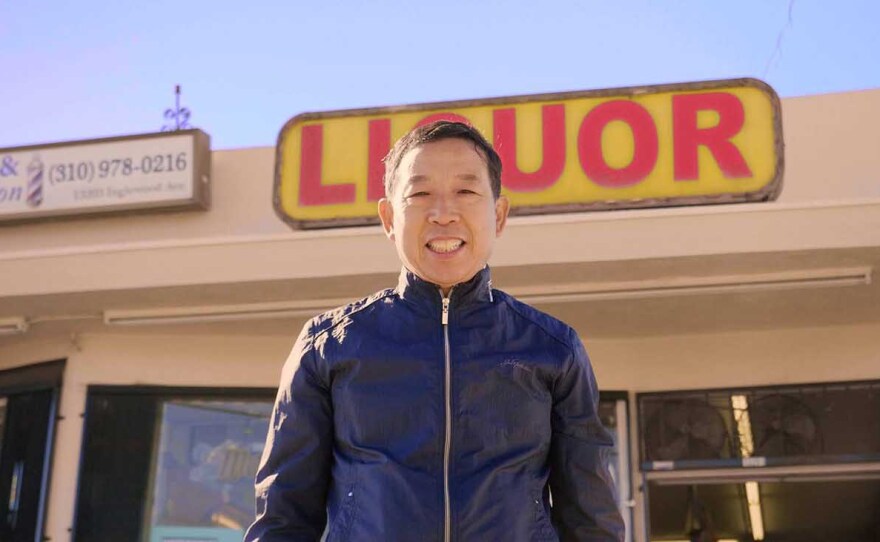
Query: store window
{"points": [[827, 423], [171, 464], [202, 480], [763, 464], [803, 510]]}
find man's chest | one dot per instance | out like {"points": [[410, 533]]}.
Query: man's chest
{"points": [[494, 390]]}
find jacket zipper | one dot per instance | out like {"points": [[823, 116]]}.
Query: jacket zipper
{"points": [[447, 446]]}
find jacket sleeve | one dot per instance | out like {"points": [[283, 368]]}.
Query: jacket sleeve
{"points": [[294, 473], [583, 492]]}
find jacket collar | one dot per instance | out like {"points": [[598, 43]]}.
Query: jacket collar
{"points": [[412, 288]]}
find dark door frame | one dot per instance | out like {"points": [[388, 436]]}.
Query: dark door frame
{"points": [[30, 390]]}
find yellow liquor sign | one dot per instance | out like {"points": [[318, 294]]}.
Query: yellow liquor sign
{"points": [[655, 146]]}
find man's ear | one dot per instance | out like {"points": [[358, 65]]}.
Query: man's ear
{"points": [[502, 207], [386, 215]]}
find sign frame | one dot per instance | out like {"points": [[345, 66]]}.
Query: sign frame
{"points": [[768, 192], [201, 182]]}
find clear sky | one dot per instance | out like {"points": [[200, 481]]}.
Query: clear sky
{"points": [[83, 69]]}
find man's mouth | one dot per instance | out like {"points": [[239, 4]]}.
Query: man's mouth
{"points": [[444, 246]]}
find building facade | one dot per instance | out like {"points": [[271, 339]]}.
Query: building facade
{"points": [[737, 347]]}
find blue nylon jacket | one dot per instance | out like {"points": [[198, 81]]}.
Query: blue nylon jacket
{"points": [[358, 441]]}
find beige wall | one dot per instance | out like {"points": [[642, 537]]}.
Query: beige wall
{"points": [[744, 358], [831, 147]]}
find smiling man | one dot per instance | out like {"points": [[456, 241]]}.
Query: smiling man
{"points": [[442, 410], [444, 213]]}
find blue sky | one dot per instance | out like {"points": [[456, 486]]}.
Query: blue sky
{"points": [[78, 70]]}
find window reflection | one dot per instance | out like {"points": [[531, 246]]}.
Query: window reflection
{"points": [[204, 461], [203, 469], [804, 511]]}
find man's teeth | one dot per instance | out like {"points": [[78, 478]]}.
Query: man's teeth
{"points": [[446, 245]]}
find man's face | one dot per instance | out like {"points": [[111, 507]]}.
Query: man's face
{"points": [[442, 216]]}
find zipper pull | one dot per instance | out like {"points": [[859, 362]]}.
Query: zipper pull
{"points": [[491, 299], [445, 311]]}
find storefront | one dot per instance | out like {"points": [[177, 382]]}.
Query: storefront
{"points": [[737, 347]]}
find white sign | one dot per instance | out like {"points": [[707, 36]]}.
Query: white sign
{"points": [[154, 171]]}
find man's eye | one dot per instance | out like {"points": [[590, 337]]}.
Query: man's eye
{"points": [[417, 194], [466, 191]]}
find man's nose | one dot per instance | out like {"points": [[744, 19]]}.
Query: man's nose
{"points": [[444, 211]]}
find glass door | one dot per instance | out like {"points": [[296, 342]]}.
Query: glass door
{"points": [[26, 421]]}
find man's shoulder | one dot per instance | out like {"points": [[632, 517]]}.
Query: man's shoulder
{"points": [[553, 327], [342, 315]]}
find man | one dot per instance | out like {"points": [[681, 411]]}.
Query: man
{"points": [[442, 410]]}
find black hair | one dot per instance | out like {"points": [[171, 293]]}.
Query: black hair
{"points": [[436, 131]]}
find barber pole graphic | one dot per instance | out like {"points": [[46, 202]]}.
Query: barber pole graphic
{"points": [[35, 182]]}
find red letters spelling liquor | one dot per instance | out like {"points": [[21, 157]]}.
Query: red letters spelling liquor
{"points": [[687, 138], [685, 144]]}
